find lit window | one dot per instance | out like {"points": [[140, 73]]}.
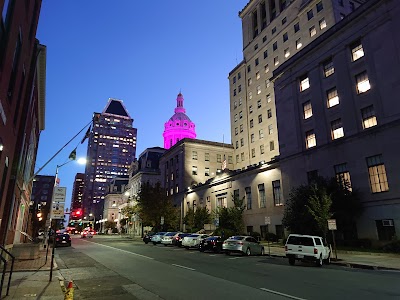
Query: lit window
{"points": [[357, 51], [270, 129], [363, 84], [276, 188], [333, 98], [194, 170], [236, 117], [250, 109], [304, 83], [258, 75], [298, 43], [286, 52], [234, 105], [266, 68], [329, 69], [267, 83], [252, 138], [307, 110], [322, 23], [368, 117], [240, 101], [250, 95], [249, 81], [337, 129], [377, 174], [313, 31], [258, 90], [310, 139], [259, 104], [343, 176], [261, 134], [194, 155], [268, 98], [276, 61]]}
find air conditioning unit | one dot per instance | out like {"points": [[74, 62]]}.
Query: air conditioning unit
{"points": [[387, 223]]}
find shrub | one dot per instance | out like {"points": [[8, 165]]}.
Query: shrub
{"points": [[272, 237], [224, 233], [255, 235], [393, 246]]}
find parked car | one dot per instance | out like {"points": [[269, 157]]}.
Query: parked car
{"points": [[63, 239], [168, 238], [193, 240], [307, 248], [147, 237], [177, 241], [156, 238], [212, 243], [245, 245]]}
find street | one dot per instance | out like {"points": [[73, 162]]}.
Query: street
{"points": [[113, 267]]}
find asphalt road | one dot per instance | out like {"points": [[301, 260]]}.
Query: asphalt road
{"points": [[113, 267]]}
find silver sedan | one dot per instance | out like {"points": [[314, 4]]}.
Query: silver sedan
{"points": [[245, 245]]}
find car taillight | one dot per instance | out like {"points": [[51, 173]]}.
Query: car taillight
{"points": [[315, 251], [57, 239], [212, 242], [240, 243]]}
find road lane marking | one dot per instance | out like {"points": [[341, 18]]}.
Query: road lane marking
{"points": [[235, 257], [179, 266], [133, 253], [212, 255], [281, 294]]}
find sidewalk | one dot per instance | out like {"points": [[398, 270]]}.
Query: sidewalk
{"points": [[30, 279], [352, 259]]}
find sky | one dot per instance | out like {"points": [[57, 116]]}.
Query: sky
{"points": [[141, 52]]}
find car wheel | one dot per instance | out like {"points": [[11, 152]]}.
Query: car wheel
{"points": [[248, 252], [292, 261], [328, 260], [319, 261], [262, 251]]}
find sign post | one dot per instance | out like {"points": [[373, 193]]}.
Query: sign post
{"points": [[332, 227], [268, 222]]}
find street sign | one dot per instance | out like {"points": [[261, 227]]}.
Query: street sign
{"points": [[332, 224], [59, 194], [57, 211], [267, 220]]}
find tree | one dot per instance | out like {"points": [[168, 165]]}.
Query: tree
{"points": [[109, 224], [231, 219], [195, 219]]}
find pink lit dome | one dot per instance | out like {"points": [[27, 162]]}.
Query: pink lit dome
{"points": [[179, 126]]}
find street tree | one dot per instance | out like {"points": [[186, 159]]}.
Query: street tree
{"points": [[231, 219], [196, 218]]}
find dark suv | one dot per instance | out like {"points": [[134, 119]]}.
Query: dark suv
{"points": [[213, 243], [147, 237]]}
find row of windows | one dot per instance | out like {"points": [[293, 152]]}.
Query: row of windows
{"points": [[206, 171], [207, 157], [276, 195], [252, 136], [253, 152]]}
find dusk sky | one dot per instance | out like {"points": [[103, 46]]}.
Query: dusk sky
{"points": [[144, 53]]}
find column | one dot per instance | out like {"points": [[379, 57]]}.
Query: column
{"points": [[278, 7], [267, 9]]}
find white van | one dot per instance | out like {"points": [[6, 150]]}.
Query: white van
{"points": [[307, 248]]}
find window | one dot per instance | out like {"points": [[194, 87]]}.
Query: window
{"points": [[207, 156], [252, 138], [296, 27], [310, 14], [368, 117], [273, 30], [386, 229], [307, 110], [329, 69], [239, 75], [268, 98], [234, 92], [357, 51], [269, 113], [271, 146], [221, 200], [234, 79], [313, 31], [237, 144], [234, 104], [258, 90], [240, 115], [194, 170], [242, 156], [256, 62], [261, 193], [276, 188], [285, 37], [286, 52], [284, 20], [207, 171], [337, 129], [267, 83], [377, 174], [259, 118], [343, 176], [241, 142], [261, 149], [237, 158], [319, 6], [236, 131], [298, 43], [219, 158], [253, 153], [266, 69], [270, 129], [250, 95], [255, 46], [241, 127], [261, 134], [276, 61], [333, 98], [194, 155], [248, 69], [322, 23], [240, 88], [240, 101], [251, 109], [236, 117], [259, 103], [275, 46], [248, 197], [230, 159], [258, 75], [264, 38], [265, 54], [310, 139], [362, 82], [304, 83], [251, 123]]}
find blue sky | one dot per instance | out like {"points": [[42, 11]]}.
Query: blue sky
{"points": [[144, 53]]}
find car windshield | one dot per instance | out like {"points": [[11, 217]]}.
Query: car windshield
{"points": [[211, 238], [237, 237], [170, 233]]}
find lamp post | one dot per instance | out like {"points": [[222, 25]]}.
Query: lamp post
{"points": [[94, 219]]}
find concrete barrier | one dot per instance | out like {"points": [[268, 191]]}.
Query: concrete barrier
{"points": [[25, 251]]}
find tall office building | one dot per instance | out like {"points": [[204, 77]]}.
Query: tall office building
{"points": [[273, 32], [77, 197], [179, 126], [111, 150]]}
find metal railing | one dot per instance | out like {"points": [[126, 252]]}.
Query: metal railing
{"points": [[3, 274]]}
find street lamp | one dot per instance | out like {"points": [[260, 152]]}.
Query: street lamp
{"points": [[94, 219]]}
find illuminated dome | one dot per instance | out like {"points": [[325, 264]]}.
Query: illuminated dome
{"points": [[179, 126]]}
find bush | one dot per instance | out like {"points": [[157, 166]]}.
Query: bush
{"points": [[255, 235], [393, 246], [272, 237], [224, 233]]}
